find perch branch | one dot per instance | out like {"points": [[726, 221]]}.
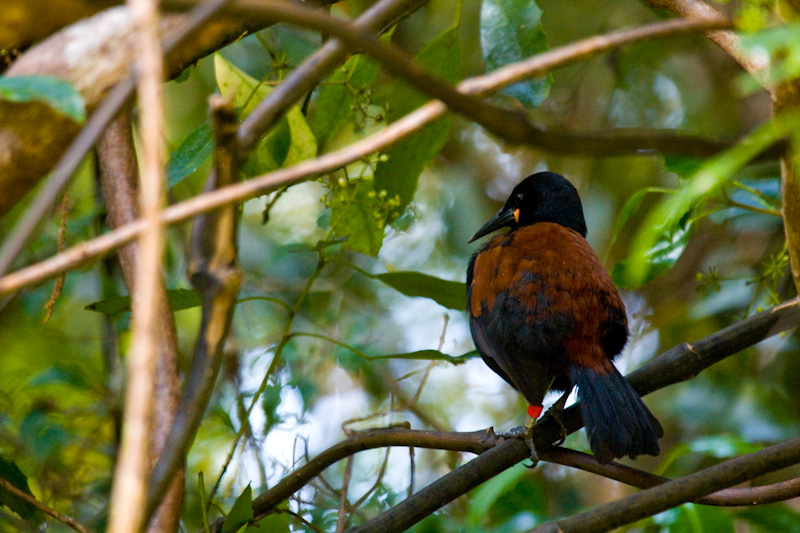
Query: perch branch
{"points": [[68, 520]]}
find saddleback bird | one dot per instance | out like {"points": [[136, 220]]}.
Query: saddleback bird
{"points": [[545, 315]]}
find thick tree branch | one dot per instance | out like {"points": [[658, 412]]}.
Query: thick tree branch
{"points": [[117, 98], [216, 276], [126, 513], [678, 364], [119, 175], [393, 133], [685, 489], [776, 492]]}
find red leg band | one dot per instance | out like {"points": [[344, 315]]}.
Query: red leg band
{"points": [[534, 411]]}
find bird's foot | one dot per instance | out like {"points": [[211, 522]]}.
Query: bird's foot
{"points": [[529, 441], [513, 433], [555, 412]]}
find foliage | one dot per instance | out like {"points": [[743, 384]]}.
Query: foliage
{"points": [[351, 310]]}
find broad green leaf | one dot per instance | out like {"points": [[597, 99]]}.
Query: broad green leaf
{"points": [[241, 513], [178, 299], [399, 173], [333, 103], [631, 207], [52, 91], [193, 152], [511, 31], [274, 522], [680, 165], [69, 375], [665, 219], [11, 473], [289, 142], [660, 258], [353, 213], [450, 294]]}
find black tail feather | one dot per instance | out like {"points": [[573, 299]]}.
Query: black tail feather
{"points": [[617, 421]]}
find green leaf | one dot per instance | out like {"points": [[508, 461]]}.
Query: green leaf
{"points": [[782, 44], [696, 519], [241, 513], [353, 214], [770, 518], [631, 207], [288, 143], [660, 258], [11, 473], [399, 174], [329, 110], [50, 90], [178, 299], [450, 294], [661, 232], [193, 152], [511, 31], [429, 355]]}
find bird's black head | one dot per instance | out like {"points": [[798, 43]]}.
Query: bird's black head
{"points": [[542, 197]]}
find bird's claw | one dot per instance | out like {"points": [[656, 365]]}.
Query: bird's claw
{"points": [[531, 446], [555, 414], [513, 433]]}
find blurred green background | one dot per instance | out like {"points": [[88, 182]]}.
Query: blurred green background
{"points": [[725, 259]]}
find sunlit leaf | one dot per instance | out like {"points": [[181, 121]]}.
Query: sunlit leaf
{"points": [[178, 299], [330, 108], [192, 152], [399, 173], [665, 219], [11, 473], [50, 90], [691, 517], [288, 142], [430, 355], [660, 258], [511, 31], [483, 499], [241, 513]]}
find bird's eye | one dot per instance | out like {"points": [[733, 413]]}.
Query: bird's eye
{"points": [[518, 199]]}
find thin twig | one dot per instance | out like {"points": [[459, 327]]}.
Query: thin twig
{"points": [[133, 464], [348, 473], [68, 520]]}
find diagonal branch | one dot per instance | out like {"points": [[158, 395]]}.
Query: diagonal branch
{"points": [[681, 363], [685, 489], [511, 125], [393, 133], [305, 77], [776, 492], [214, 273], [68, 520]]}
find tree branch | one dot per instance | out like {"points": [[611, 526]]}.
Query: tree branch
{"points": [[303, 79], [678, 364], [68, 520], [393, 133], [118, 97], [685, 489], [119, 175], [776, 492], [216, 276], [513, 126]]}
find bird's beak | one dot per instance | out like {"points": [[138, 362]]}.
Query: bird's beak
{"points": [[504, 217]]}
